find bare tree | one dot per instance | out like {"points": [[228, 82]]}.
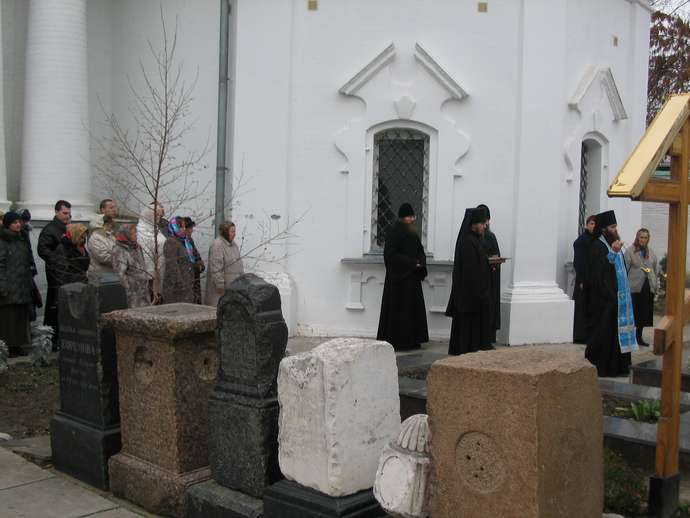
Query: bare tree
{"points": [[150, 165]]}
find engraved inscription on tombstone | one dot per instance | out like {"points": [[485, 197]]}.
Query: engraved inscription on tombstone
{"points": [[88, 419]]}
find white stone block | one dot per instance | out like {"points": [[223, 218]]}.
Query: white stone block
{"points": [[403, 474], [339, 408]]}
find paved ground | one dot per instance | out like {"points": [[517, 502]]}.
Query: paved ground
{"points": [[27, 491]]}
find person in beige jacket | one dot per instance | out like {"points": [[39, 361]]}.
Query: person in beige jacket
{"points": [[641, 263], [100, 245], [224, 263]]}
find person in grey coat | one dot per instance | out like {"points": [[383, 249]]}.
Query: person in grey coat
{"points": [[224, 263], [16, 276], [128, 263], [641, 263]]}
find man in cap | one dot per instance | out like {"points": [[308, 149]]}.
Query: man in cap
{"points": [[470, 295], [611, 322], [403, 314]]}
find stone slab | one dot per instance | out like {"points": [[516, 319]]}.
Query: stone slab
{"points": [[81, 450], [516, 432], [243, 442], [211, 500], [116, 513], [34, 449], [157, 490], [417, 361], [339, 409], [54, 497], [16, 471], [287, 499], [649, 373]]}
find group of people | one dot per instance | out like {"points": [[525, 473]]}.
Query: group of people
{"points": [[474, 303], [156, 260], [614, 289], [614, 293]]}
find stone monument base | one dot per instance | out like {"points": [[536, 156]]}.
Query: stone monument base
{"points": [[81, 450], [157, 490], [287, 499], [211, 500]]}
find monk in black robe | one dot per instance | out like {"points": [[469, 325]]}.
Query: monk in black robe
{"points": [[470, 296], [603, 347], [580, 259], [403, 314], [490, 244]]}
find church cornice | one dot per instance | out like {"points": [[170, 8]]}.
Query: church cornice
{"points": [[439, 73], [382, 59], [608, 83]]}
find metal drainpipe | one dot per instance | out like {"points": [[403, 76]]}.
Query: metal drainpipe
{"points": [[223, 88]]}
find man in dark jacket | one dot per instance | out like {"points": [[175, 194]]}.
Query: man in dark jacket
{"points": [[48, 243], [16, 261], [580, 259], [403, 314], [470, 294]]}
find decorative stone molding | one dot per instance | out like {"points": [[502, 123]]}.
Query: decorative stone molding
{"points": [[604, 77], [439, 282], [437, 71], [593, 119], [382, 59], [404, 107], [354, 290], [533, 292]]}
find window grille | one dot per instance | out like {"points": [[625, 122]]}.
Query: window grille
{"points": [[583, 190], [401, 174]]}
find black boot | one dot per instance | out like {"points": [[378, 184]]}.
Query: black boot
{"points": [[640, 341]]}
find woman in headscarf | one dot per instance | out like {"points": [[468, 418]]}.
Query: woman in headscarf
{"points": [[642, 277], [178, 282], [128, 263], [152, 241], [199, 266], [16, 263], [74, 260], [403, 314], [224, 263], [470, 296]]}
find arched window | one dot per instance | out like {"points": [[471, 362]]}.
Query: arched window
{"points": [[401, 174], [591, 165]]}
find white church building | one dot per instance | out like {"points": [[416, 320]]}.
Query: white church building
{"points": [[338, 111]]}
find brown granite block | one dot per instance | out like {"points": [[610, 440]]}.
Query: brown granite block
{"points": [[167, 363], [516, 432]]}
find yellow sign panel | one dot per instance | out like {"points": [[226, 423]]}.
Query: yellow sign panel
{"points": [[652, 148]]}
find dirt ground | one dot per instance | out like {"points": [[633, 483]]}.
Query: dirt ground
{"points": [[28, 398]]}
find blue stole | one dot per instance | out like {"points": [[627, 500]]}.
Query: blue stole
{"points": [[626, 317]]}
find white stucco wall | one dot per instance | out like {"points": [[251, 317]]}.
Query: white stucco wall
{"points": [[303, 148]]}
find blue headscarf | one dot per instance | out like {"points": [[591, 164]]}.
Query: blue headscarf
{"points": [[175, 230]]}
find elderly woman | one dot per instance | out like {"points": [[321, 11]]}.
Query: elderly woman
{"points": [[128, 263], [642, 275], [16, 266], [224, 263], [100, 245], [73, 258], [178, 280]]}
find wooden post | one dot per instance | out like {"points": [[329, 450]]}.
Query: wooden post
{"points": [[668, 427]]}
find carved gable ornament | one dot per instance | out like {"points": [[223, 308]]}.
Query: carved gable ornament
{"points": [[595, 95]]}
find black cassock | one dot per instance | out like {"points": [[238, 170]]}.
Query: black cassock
{"points": [[490, 244], [581, 253], [603, 349], [470, 296], [403, 314]]}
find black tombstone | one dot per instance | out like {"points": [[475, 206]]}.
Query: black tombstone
{"points": [[243, 407], [85, 432]]}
